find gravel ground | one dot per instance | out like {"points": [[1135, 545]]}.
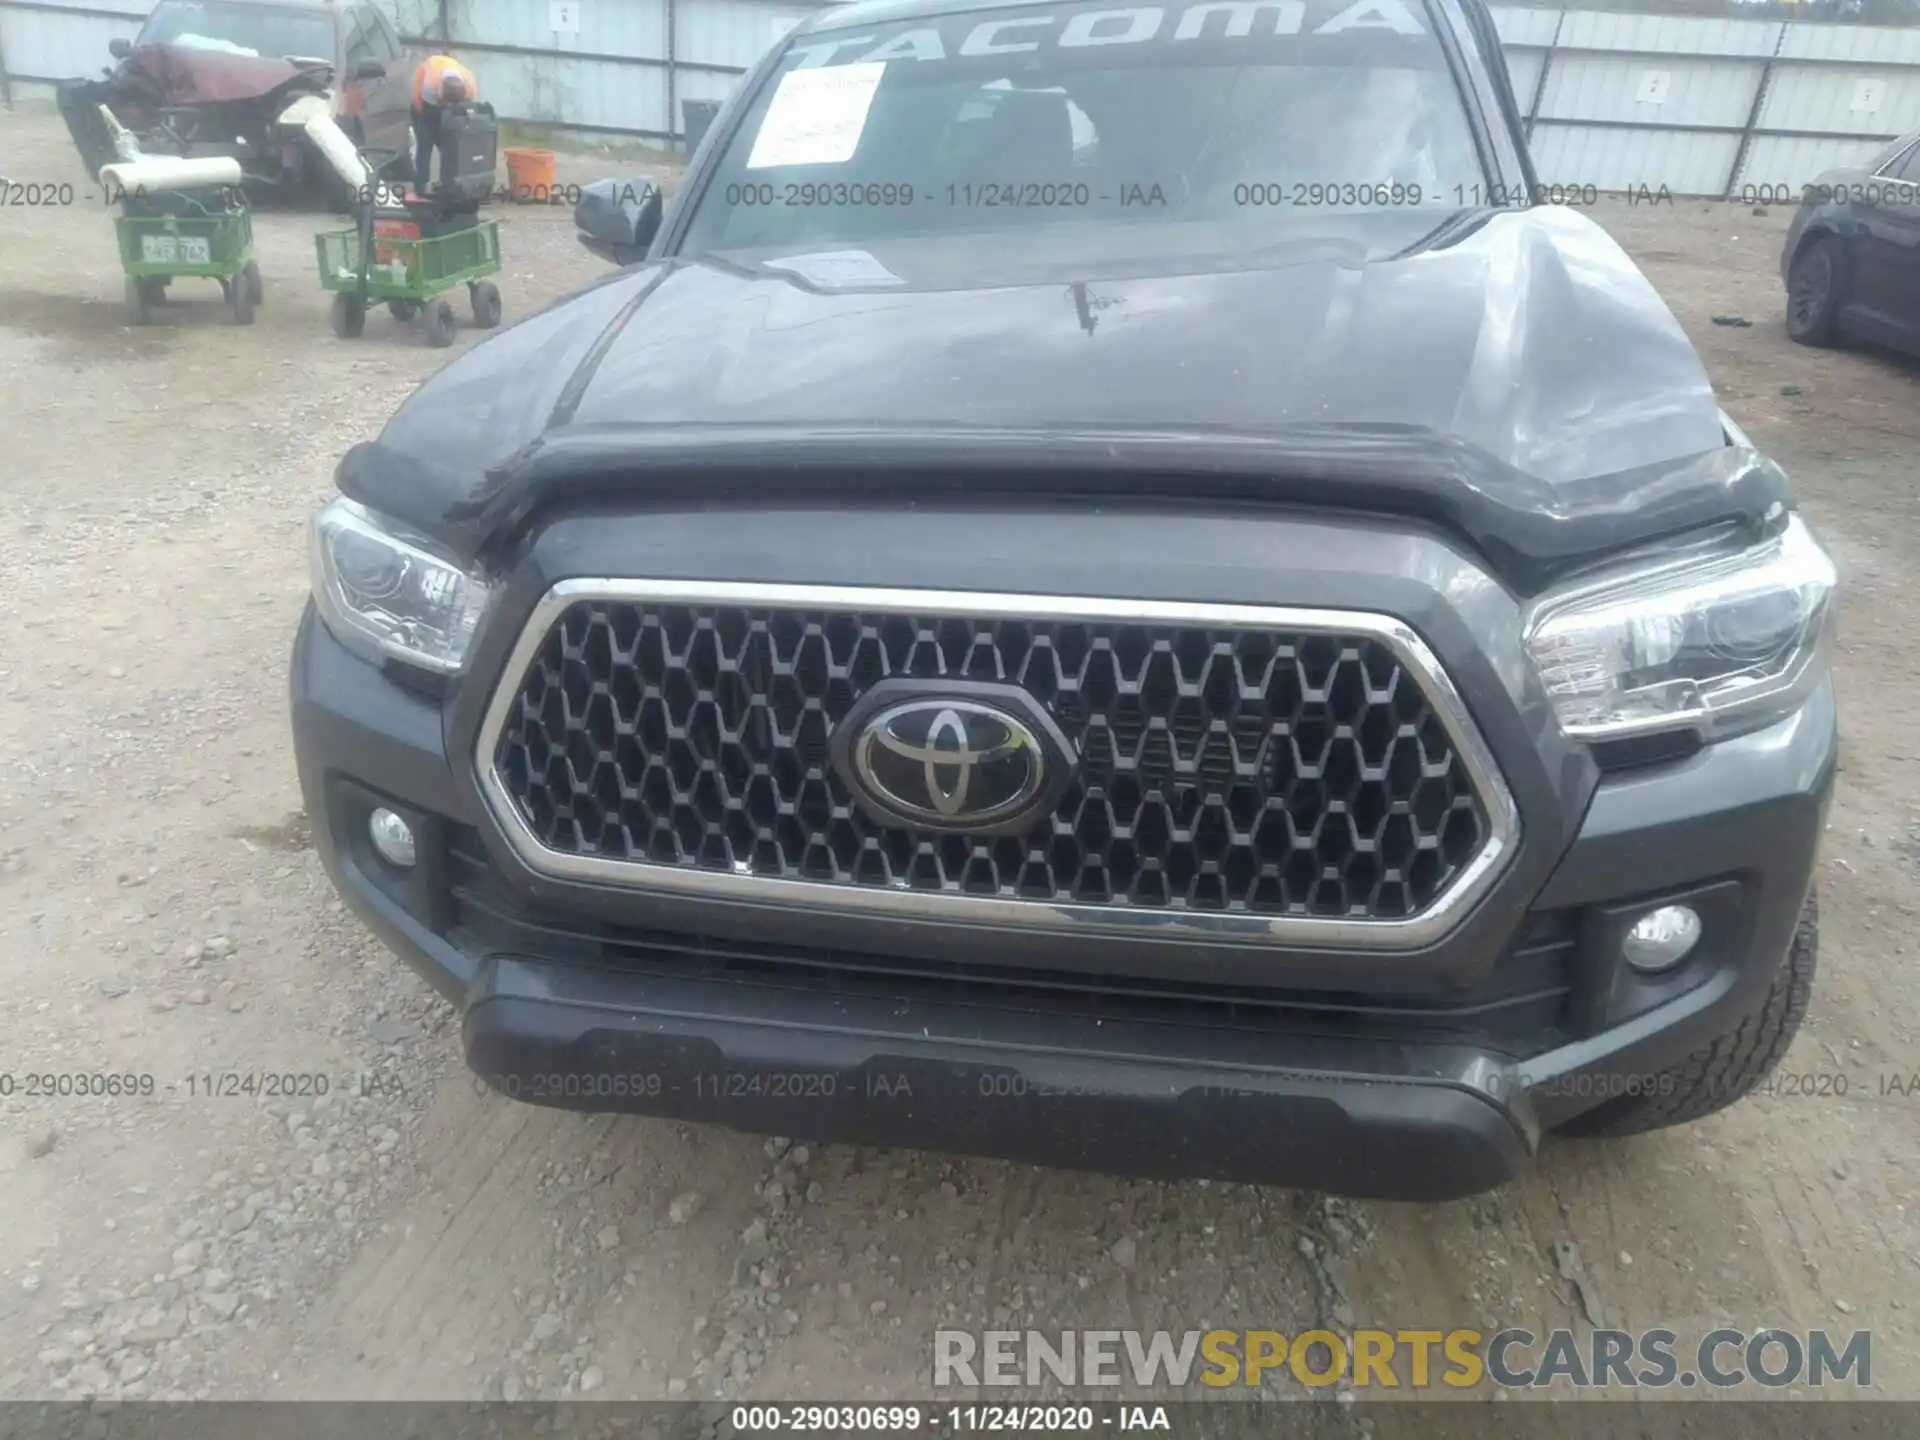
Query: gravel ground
{"points": [[405, 1235]]}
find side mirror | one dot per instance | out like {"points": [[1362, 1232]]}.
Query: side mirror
{"points": [[369, 70], [120, 47], [617, 219]]}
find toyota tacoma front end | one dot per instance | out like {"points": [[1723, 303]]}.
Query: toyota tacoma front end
{"points": [[1296, 681]]}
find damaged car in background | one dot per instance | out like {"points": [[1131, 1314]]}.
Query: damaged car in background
{"points": [[1107, 590], [239, 79]]}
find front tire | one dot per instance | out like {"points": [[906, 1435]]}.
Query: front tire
{"points": [[1816, 286], [1729, 1067]]}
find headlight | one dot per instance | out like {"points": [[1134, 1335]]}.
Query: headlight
{"points": [[383, 591], [1711, 643]]}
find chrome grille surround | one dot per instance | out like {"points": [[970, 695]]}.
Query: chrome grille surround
{"points": [[1354, 634]]}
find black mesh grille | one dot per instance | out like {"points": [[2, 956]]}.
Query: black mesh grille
{"points": [[1221, 770]]}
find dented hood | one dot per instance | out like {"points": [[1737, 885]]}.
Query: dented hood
{"points": [[184, 75], [1516, 379]]}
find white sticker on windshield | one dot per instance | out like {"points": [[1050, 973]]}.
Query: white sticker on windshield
{"points": [[837, 269], [816, 116]]}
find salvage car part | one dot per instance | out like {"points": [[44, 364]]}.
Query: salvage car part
{"points": [[210, 76], [192, 104]]}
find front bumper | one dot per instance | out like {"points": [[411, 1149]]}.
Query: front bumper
{"points": [[1078, 1092], [1374, 1098]]}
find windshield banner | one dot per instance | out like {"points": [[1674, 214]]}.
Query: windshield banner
{"points": [[1354, 32]]}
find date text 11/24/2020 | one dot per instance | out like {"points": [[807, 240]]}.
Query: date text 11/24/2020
{"points": [[1038, 1419]]}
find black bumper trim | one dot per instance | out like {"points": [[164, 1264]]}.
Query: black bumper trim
{"points": [[1118, 1099]]}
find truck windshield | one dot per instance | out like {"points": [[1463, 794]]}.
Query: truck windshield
{"points": [[1217, 126], [270, 30]]}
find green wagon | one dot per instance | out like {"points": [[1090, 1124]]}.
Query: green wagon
{"points": [[410, 276], [156, 250]]}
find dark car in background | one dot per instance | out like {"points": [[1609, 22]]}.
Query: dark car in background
{"points": [[1852, 259], [1110, 591]]}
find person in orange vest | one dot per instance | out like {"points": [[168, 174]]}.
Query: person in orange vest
{"points": [[440, 81]]}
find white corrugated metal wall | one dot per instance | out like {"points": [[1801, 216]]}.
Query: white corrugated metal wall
{"points": [[622, 68], [1705, 106], [42, 40], [1616, 100]]}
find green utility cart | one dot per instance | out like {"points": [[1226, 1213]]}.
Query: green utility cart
{"points": [[410, 275], [167, 238]]}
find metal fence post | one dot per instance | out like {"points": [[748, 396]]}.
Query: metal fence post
{"points": [[1753, 114], [1540, 81], [673, 72]]}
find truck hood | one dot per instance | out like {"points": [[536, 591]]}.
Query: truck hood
{"points": [[1519, 380]]}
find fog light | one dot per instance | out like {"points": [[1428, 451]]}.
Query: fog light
{"points": [[393, 838], [1661, 938]]}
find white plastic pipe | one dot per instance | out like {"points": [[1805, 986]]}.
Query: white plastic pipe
{"points": [[332, 142], [169, 172], [306, 106], [124, 145], [314, 116]]}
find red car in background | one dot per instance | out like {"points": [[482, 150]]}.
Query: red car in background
{"points": [[211, 77]]}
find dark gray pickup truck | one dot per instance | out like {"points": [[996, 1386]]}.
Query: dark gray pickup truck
{"points": [[1109, 588]]}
